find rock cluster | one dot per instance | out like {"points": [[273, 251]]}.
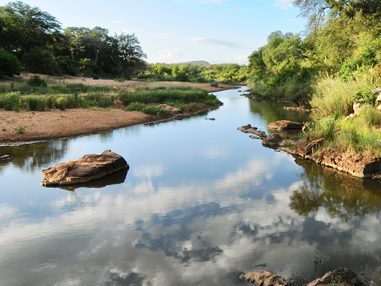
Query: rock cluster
{"points": [[87, 169], [339, 277], [256, 133]]}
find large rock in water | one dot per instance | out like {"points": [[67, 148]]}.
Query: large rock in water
{"points": [[285, 125], [87, 169], [264, 278]]}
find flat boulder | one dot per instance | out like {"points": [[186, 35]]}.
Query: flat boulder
{"points": [[263, 278], [87, 169], [285, 125]]}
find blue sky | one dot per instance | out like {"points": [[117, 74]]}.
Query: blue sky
{"points": [[218, 31]]}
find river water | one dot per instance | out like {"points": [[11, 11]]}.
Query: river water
{"points": [[201, 203]]}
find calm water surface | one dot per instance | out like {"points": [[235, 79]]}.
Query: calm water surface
{"points": [[201, 203]]}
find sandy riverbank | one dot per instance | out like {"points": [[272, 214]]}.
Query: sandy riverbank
{"points": [[61, 124]]}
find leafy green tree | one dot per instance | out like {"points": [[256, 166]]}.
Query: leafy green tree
{"points": [[9, 64]]}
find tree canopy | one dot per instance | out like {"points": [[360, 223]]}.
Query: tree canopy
{"points": [[38, 41]]}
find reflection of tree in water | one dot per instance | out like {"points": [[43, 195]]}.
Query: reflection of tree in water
{"points": [[341, 195], [272, 111], [31, 156]]}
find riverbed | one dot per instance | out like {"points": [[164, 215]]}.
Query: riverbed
{"points": [[201, 203]]}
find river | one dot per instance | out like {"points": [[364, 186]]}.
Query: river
{"points": [[201, 203]]}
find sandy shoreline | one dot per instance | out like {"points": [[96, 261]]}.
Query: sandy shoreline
{"points": [[57, 124]]}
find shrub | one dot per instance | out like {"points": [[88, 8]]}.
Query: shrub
{"points": [[10, 101], [9, 64], [20, 130], [36, 81]]}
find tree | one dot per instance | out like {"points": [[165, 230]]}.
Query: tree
{"points": [[131, 55], [29, 26]]}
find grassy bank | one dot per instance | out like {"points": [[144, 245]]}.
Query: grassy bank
{"points": [[332, 104], [39, 96]]}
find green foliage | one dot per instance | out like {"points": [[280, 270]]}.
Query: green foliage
{"points": [[335, 97], [31, 98], [223, 73], [36, 81], [280, 69], [10, 101], [9, 64], [160, 95], [39, 60], [36, 38]]}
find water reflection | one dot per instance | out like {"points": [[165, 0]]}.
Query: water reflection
{"points": [[32, 157], [114, 179], [201, 203], [271, 111], [340, 195]]}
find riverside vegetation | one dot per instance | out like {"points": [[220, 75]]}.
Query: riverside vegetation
{"points": [[36, 95], [335, 65]]}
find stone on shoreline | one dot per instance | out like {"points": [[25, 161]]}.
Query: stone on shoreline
{"points": [[272, 141], [87, 169], [258, 134], [285, 125], [338, 277]]}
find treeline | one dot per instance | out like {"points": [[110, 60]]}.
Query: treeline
{"points": [[343, 41], [204, 73], [33, 41]]}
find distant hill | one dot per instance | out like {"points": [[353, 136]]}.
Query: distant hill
{"points": [[201, 63]]}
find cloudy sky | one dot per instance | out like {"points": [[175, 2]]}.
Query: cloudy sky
{"points": [[183, 30]]}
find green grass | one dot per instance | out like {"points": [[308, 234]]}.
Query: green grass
{"points": [[333, 102], [335, 97], [31, 98], [161, 95]]}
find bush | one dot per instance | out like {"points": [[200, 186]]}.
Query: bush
{"points": [[9, 64], [38, 60], [10, 101], [36, 81]]}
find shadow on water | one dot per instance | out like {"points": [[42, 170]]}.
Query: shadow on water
{"points": [[272, 111], [114, 179], [343, 196]]}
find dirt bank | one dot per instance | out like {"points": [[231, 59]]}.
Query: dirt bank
{"points": [[358, 164], [32, 126]]}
